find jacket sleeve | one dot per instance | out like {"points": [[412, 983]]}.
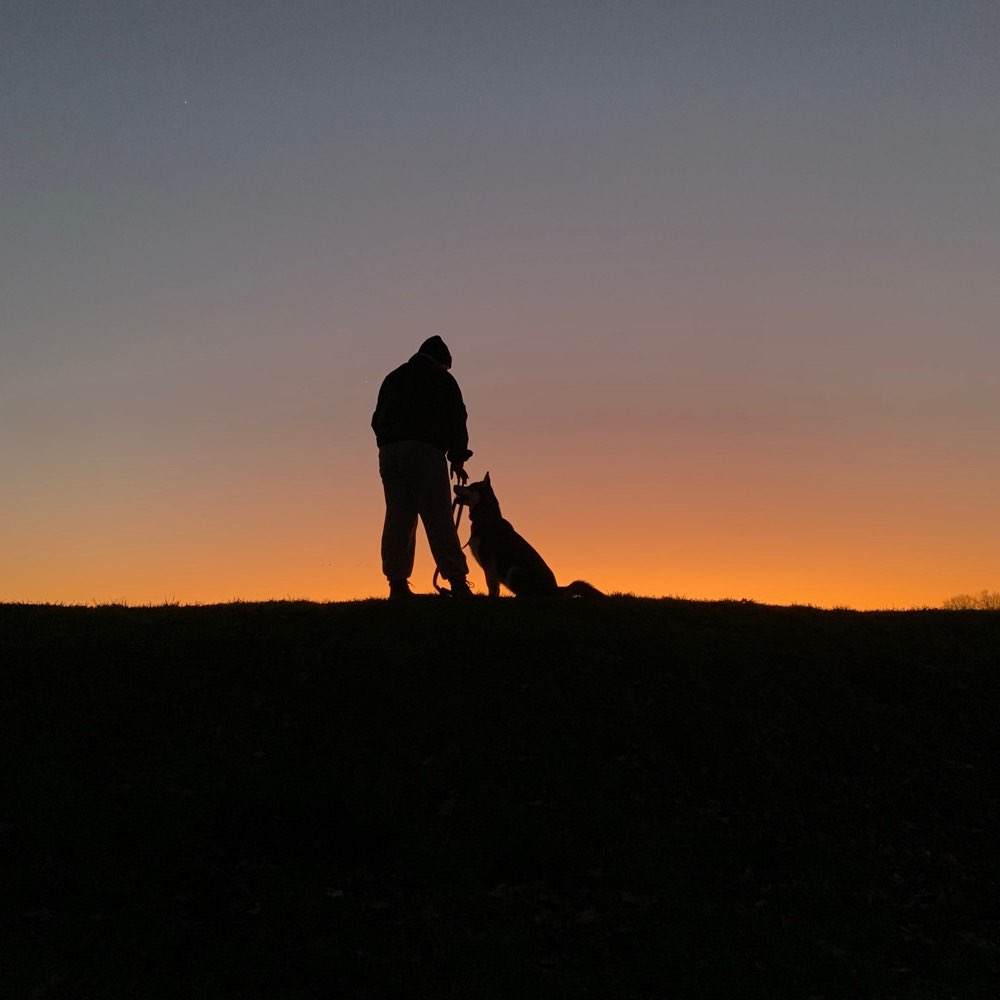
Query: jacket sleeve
{"points": [[458, 433]]}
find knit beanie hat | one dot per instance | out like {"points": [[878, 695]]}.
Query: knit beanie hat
{"points": [[436, 348]]}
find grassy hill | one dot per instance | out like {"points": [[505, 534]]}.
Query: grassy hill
{"points": [[624, 798]]}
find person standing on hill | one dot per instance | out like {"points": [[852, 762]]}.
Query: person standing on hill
{"points": [[420, 427]]}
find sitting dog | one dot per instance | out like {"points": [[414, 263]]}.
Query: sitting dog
{"points": [[504, 555]]}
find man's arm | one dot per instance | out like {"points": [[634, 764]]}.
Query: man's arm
{"points": [[458, 448]]}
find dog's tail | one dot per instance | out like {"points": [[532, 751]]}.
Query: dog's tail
{"points": [[580, 588]]}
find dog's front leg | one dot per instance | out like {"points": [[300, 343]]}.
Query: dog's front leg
{"points": [[492, 583]]}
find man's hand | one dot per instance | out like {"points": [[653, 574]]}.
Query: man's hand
{"points": [[458, 472]]}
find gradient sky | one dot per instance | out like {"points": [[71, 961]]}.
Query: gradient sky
{"points": [[721, 280]]}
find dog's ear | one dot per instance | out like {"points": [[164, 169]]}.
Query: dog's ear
{"points": [[487, 478]]}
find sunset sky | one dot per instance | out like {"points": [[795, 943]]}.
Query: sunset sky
{"points": [[721, 282]]}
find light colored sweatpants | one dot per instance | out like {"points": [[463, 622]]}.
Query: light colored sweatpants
{"points": [[415, 481]]}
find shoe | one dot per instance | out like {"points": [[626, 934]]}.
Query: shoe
{"points": [[399, 590], [459, 587]]}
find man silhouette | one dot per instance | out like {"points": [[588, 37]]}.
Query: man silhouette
{"points": [[420, 426]]}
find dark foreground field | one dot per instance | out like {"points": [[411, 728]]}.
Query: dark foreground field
{"points": [[620, 799]]}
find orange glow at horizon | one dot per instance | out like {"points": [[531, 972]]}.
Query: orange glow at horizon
{"points": [[631, 478], [665, 570], [688, 527]]}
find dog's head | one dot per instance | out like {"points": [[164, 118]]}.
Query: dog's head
{"points": [[474, 494]]}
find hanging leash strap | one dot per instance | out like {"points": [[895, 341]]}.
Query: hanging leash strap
{"points": [[442, 591]]}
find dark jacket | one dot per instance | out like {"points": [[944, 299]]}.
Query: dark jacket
{"points": [[421, 401]]}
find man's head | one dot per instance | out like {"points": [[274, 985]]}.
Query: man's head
{"points": [[437, 350]]}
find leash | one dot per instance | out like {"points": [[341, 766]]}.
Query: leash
{"points": [[442, 591]]}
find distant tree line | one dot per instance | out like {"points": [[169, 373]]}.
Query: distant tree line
{"points": [[985, 600]]}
